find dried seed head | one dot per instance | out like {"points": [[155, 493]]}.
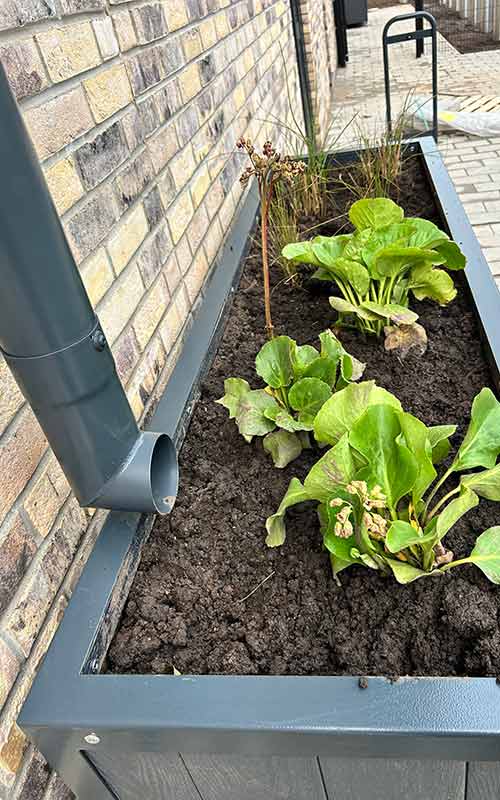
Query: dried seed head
{"points": [[375, 524], [345, 530], [343, 526], [336, 502]]}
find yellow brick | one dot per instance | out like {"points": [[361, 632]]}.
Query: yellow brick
{"points": [[162, 147], [208, 33], [11, 398], [64, 184], [42, 504], [136, 403], [182, 167], [239, 97], [150, 313], [221, 26], [97, 276], [191, 44], [200, 187], [68, 50], [248, 59], [180, 216], [196, 275], [11, 753], [119, 305], [57, 122], [108, 91], [176, 14], [124, 30], [189, 82], [127, 238]]}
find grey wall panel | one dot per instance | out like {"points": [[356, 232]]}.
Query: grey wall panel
{"points": [[483, 781], [255, 778], [381, 779], [145, 776]]}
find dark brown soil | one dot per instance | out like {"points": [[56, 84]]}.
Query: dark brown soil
{"points": [[461, 33], [187, 607]]}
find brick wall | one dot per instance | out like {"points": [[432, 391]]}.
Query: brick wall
{"points": [[321, 54], [134, 108]]}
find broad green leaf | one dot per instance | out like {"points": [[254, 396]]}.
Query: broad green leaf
{"points": [[390, 464], [486, 553], [275, 524], [455, 509], [425, 234], [374, 213], [283, 447], [341, 411], [236, 389], [323, 274], [285, 420], [300, 253], [307, 396], [251, 417], [433, 283], [416, 437], [397, 233], [335, 469], [350, 368], [481, 445], [301, 357], [402, 535], [450, 251], [396, 260], [327, 249], [485, 484], [439, 440], [354, 247], [400, 315], [274, 362], [323, 368], [406, 573], [352, 273], [345, 307], [331, 347]]}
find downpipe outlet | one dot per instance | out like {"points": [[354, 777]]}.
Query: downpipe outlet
{"points": [[56, 349]]}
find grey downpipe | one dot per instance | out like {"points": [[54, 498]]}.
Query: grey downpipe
{"points": [[54, 345], [304, 82]]}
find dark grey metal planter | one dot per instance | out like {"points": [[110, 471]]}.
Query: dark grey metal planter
{"points": [[256, 738]]}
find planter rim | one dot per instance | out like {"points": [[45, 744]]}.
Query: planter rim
{"points": [[413, 717]]}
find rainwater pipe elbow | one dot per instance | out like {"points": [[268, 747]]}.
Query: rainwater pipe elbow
{"points": [[56, 349]]}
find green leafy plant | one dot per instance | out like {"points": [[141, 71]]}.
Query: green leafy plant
{"points": [[377, 266], [377, 483], [270, 169], [299, 380]]}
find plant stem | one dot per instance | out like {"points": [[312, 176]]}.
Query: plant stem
{"points": [[456, 563], [443, 500], [266, 193], [438, 485]]}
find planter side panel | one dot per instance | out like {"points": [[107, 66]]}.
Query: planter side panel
{"points": [[256, 778], [483, 781], [166, 776], [148, 775], [388, 779]]}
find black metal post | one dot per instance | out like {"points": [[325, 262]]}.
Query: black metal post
{"points": [[305, 84], [54, 345], [419, 26]]}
